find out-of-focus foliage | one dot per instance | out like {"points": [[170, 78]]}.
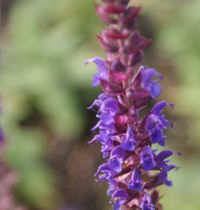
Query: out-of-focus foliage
{"points": [[44, 62], [26, 152], [43, 56], [45, 90], [7, 181]]}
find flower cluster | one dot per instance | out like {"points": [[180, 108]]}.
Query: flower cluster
{"points": [[133, 170]]}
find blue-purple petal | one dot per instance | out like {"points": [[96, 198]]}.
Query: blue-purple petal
{"points": [[135, 182], [147, 158], [158, 108], [149, 83], [102, 70], [115, 164]]}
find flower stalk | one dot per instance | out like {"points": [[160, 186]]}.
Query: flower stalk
{"points": [[132, 168]]}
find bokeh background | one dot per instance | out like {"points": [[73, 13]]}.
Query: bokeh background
{"points": [[45, 89]]}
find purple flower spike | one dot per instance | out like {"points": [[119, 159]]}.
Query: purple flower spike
{"points": [[132, 169]]}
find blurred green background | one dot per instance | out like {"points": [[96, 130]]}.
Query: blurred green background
{"points": [[45, 89]]}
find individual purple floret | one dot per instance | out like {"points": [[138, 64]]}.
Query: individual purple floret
{"points": [[132, 169], [147, 158], [136, 182], [147, 203], [102, 70], [156, 123]]}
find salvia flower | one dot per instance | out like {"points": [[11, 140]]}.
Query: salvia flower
{"points": [[132, 169], [136, 182]]}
